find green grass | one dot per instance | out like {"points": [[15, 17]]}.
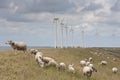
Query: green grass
{"points": [[22, 66]]}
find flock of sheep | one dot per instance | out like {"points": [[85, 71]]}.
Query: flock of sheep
{"points": [[87, 65]]}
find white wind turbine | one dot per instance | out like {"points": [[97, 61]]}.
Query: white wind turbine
{"points": [[72, 31], [62, 25], [96, 34], [66, 30], [83, 35], [56, 20]]}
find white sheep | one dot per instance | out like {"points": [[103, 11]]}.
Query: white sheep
{"points": [[90, 59], [38, 57], [71, 68], [62, 66], [114, 59], [87, 63], [87, 70], [114, 69], [103, 62], [48, 61], [18, 45], [91, 65], [82, 63]]}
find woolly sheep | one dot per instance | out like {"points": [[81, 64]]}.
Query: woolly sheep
{"points": [[87, 63], [91, 65], [87, 70], [38, 56], [17, 45], [71, 68], [62, 66], [114, 59], [90, 59], [82, 62], [49, 61], [103, 62], [114, 69]]}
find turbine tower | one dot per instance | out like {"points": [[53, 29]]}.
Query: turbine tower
{"points": [[83, 37], [62, 25], [55, 20], [96, 34], [66, 30], [72, 31]]}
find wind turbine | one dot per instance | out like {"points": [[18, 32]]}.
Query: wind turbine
{"points": [[83, 37], [62, 25], [66, 30], [96, 34], [56, 20], [72, 31]]}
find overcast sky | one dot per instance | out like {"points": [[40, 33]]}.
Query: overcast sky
{"points": [[31, 21]]}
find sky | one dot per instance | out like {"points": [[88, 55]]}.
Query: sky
{"points": [[31, 21]]}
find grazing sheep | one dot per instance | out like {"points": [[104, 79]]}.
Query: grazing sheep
{"points": [[34, 51], [87, 70], [49, 61], [71, 68], [91, 65], [17, 45], [38, 56], [87, 63], [114, 59], [62, 66], [82, 63], [115, 70], [40, 62], [90, 59], [103, 62], [108, 57]]}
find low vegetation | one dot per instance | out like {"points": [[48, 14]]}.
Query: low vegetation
{"points": [[22, 66]]}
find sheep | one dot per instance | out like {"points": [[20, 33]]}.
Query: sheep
{"points": [[71, 68], [90, 59], [82, 62], [87, 63], [108, 57], [62, 66], [114, 59], [38, 56], [34, 51], [87, 70], [49, 61], [115, 70], [21, 46], [103, 62], [91, 65]]}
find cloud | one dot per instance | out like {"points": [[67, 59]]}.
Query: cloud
{"points": [[91, 7], [116, 6], [33, 17]]}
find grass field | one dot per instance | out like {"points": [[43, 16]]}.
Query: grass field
{"points": [[22, 66]]}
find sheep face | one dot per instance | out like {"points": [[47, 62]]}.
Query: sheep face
{"points": [[33, 51], [10, 43]]}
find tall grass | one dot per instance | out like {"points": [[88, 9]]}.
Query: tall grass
{"points": [[22, 66]]}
